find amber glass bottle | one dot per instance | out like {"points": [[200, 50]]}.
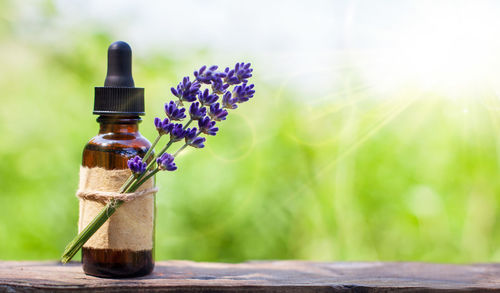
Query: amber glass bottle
{"points": [[119, 104], [118, 140]]}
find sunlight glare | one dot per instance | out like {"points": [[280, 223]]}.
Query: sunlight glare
{"points": [[446, 52]]}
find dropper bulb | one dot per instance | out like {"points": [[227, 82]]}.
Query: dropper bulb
{"points": [[119, 66]]}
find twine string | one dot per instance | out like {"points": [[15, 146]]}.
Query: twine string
{"points": [[106, 196]]}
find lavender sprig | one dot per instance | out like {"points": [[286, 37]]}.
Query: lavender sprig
{"points": [[186, 91]]}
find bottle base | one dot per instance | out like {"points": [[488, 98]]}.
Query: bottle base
{"points": [[109, 263]]}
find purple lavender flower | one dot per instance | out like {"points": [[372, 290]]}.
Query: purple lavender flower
{"points": [[197, 142], [207, 99], [163, 127], [243, 92], [193, 139], [191, 133], [239, 74], [228, 102], [166, 162], [186, 90], [207, 76], [177, 133], [207, 126], [217, 113], [196, 112], [136, 165], [173, 112], [218, 86]]}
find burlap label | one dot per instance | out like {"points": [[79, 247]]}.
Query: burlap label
{"points": [[131, 226]]}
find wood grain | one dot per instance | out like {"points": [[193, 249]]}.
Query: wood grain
{"points": [[258, 276]]}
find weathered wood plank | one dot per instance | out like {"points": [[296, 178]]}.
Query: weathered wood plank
{"points": [[265, 276]]}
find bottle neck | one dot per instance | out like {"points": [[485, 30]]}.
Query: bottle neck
{"points": [[118, 124]]}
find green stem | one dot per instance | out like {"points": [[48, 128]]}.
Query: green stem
{"points": [[150, 151], [91, 228], [127, 183], [137, 184], [187, 124], [162, 151]]}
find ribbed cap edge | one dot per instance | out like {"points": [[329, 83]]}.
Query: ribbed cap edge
{"points": [[119, 100]]}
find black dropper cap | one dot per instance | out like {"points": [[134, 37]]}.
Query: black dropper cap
{"points": [[119, 96]]}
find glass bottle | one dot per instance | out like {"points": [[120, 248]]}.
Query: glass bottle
{"points": [[124, 247], [118, 140]]}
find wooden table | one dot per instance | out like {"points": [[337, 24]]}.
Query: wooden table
{"points": [[258, 276]]}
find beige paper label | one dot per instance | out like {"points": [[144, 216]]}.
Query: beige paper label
{"points": [[131, 226]]}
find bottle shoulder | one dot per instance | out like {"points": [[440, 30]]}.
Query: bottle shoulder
{"points": [[119, 140], [112, 150]]}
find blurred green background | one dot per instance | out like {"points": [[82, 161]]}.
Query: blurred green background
{"points": [[349, 173]]}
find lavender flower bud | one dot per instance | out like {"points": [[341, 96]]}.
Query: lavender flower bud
{"points": [[228, 102], [207, 126], [191, 133], [177, 133], [166, 162], [217, 113], [173, 112], [136, 165], [197, 142], [207, 99], [243, 92], [196, 112], [186, 90], [241, 73], [193, 139], [163, 127], [218, 86], [207, 76]]}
